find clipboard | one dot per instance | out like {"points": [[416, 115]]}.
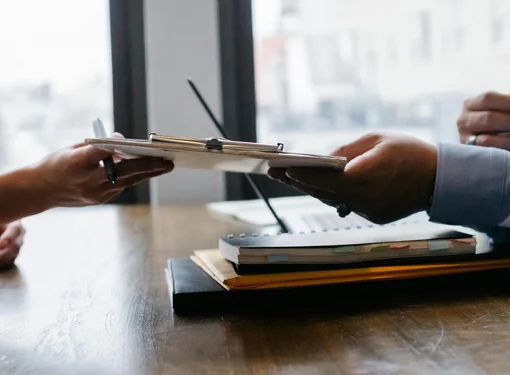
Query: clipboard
{"points": [[215, 153]]}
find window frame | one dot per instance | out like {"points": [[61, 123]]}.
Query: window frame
{"points": [[129, 82], [238, 92]]}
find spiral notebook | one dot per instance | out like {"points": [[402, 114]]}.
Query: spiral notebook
{"points": [[347, 246]]}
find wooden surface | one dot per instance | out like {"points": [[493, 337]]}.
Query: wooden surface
{"points": [[88, 296]]}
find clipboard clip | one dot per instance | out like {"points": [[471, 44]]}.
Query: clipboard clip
{"points": [[217, 144], [214, 144]]}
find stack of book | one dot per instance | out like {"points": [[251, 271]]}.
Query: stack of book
{"points": [[247, 262]]}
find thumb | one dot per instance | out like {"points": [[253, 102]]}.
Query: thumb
{"points": [[358, 147], [92, 154], [119, 136]]}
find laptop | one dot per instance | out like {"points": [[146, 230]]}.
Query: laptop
{"points": [[300, 214]]}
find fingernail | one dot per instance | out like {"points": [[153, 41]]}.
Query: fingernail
{"points": [[272, 174], [279, 177], [292, 173]]}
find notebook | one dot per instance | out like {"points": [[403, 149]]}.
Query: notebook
{"points": [[212, 262], [347, 246], [192, 291]]}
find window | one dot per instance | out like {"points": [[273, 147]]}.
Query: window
{"points": [[341, 71], [498, 27], [55, 76], [498, 9], [63, 64]]}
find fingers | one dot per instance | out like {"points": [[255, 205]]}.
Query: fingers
{"points": [[325, 180], [484, 122], [8, 256], [117, 135], [117, 158], [488, 101], [488, 140], [126, 182], [90, 155], [358, 147], [11, 241], [93, 155], [325, 196], [132, 180], [142, 165], [13, 232], [278, 174], [133, 167]]}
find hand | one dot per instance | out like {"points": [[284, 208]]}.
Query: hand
{"points": [[11, 240], [74, 176], [488, 117], [387, 177]]}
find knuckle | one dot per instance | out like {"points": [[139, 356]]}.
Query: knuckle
{"points": [[461, 122], [486, 98], [373, 136], [487, 119]]}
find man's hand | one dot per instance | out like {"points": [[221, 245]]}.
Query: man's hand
{"points": [[11, 240], [488, 117], [387, 177], [75, 177]]}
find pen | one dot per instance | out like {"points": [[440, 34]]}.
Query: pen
{"points": [[109, 165]]}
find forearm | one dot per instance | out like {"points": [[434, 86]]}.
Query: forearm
{"points": [[472, 189], [22, 195]]}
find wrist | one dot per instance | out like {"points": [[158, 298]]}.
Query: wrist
{"points": [[31, 188], [41, 192]]}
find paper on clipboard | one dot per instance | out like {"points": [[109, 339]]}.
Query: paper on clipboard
{"points": [[215, 153]]}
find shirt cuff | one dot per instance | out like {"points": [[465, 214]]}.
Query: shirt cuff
{"points": [[470, 187]]}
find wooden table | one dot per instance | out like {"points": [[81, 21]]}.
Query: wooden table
{"points": [[89, 296]]}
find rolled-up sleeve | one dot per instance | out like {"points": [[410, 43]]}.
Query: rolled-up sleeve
{"points": [[472, 187]]}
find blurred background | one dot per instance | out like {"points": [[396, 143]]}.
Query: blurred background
{"points": [[324, 71], [334, 69], [55, 76]]}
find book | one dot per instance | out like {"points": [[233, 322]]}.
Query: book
{"points": [[219, 269], [193, 292], [347, 246]]}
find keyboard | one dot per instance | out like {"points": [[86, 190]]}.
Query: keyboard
{"points": [[318, 222], [300, 214]]}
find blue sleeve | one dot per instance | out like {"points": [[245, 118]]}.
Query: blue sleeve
{"points": [[472, 189]]}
